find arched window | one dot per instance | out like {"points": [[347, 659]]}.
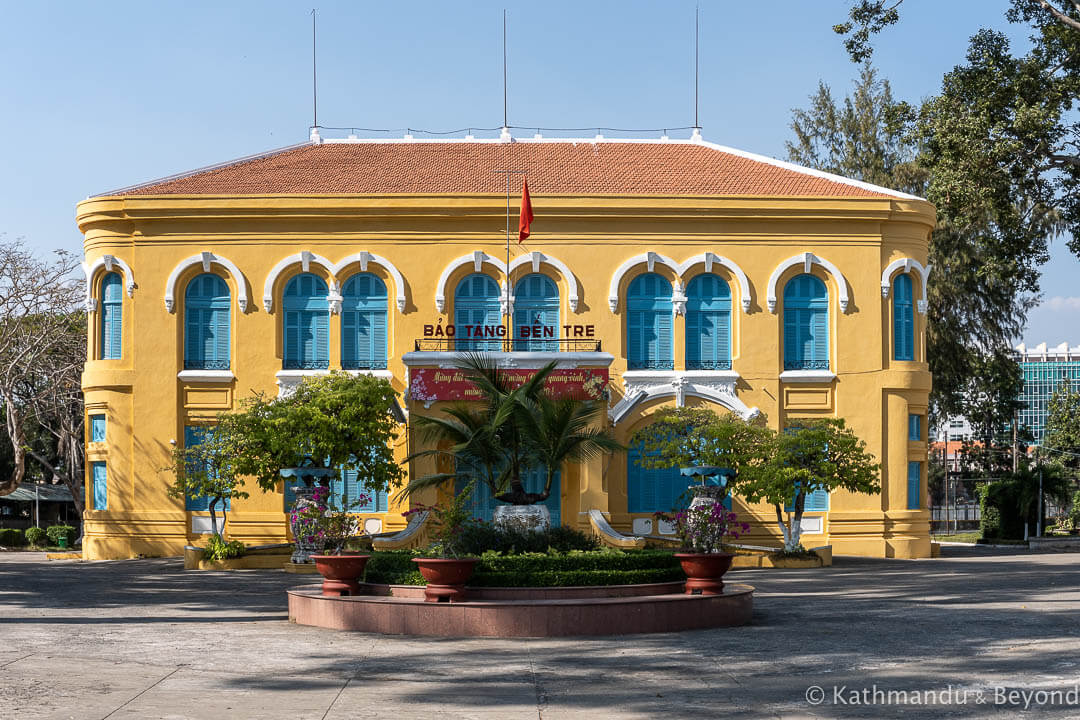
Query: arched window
{"points": [[536, 313], [708, 323], [112, 322], [648, 323], [363, 323], [307, 323], [652, 489], [477, 314], [806, 324], [903, 318], [206, 323]]}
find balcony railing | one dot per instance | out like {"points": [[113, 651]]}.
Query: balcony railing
{"points": [[506, 345], [806, 364]]}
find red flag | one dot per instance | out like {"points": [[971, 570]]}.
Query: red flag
{"points": [[525, 217]]}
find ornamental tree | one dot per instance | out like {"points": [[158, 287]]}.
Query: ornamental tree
{"points": [[694, 437], [817, 455], [337, 421], [210, 468]]}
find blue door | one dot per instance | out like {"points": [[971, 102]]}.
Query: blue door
{"points": [[708, 323]]}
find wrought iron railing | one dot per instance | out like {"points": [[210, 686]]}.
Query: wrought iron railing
{"points": [[206, 364], [506, 345], [313, 365], [708, 364], [373, 365], [806, 364], [654, 365]]}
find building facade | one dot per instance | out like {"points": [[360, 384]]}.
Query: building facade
{"points": [[1044, 371], [660, 273]]}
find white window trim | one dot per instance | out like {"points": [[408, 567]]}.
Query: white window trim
{"points": [[807, 376], [906, 265], [537, 258], [650, 260], [305, 259], [477, 258], [205, 376], [106, 263], [807, 260], [206, 259]]}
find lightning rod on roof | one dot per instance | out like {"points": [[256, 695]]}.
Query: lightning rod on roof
{"points": [[506, 122], [697, 21], [314, 83]]}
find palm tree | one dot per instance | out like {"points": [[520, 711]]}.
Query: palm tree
{"points": [[565, 429], [513, 428]]}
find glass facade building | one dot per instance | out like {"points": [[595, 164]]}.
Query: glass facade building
{"points": [[1044, 370]]}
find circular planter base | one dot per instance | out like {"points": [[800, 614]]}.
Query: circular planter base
{"points": [[522, 617]]}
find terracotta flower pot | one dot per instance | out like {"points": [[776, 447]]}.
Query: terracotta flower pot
{"points": [[341, 573], [704, 571], [446, 577]]}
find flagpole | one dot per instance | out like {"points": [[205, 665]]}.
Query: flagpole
{"points": [[509, 326]]}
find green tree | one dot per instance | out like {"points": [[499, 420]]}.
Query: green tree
{"points": [[817, 455], [1061, 436], [694, 437], [338, 420], [210, 468], [864, 136]]}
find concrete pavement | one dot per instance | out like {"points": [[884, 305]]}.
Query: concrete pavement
{"points": [[144, 639]]}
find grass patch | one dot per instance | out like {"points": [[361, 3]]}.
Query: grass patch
{"points": [[965, 537]]}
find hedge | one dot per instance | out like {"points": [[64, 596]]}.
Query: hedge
{"points": [[602, 567], [12, 537], [35, 536], [56, 532]]}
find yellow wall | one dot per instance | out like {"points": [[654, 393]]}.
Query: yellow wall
{"points": [[148, 406]]}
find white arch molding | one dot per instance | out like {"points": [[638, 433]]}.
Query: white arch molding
{"points": [[306, 259], [714, 386], [907, 265], [106, 262], [535, 259], [651, 259], [365, 258], [477, 258], [206, 259], [807, 260]]}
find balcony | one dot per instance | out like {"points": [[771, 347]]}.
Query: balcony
{"points": [[510, 353]]}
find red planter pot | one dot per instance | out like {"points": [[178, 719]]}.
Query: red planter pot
{"points": [[704, 571], [341, 573], [446, 577]]}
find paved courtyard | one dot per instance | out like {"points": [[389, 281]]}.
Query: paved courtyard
{"points": [[144, 639]]}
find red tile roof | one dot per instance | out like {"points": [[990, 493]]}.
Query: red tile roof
{"points": [[554, 168]]}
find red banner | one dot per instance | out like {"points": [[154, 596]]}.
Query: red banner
{"points": [[429, 385]]}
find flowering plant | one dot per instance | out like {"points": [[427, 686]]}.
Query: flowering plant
{"points": [[316, 523], [448, 522], [703, 528]]}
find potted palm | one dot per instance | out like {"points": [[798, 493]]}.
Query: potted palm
{"points": [[329, 530], [703, 528], [443, 565]]}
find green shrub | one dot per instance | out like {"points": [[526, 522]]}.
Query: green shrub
{"points": [[596, 567], [479, 538], [218, 549], [1074, 512], [35, 536], [12, 537], [56, 532]]}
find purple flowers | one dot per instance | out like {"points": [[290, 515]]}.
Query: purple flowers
{"points": [[704, 527]]}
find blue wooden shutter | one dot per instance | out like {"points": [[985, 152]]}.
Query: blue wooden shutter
{"points": [[112, 305], [708, 323], [819, 332], [97, 428], [306, 323], [533, 479], [817, 500], [914, 485], [792, 348], [207, 323], [721, 330], [636, 339], [363, 323], [219, 321], [903, 319], [915, 427], [100, 486], [665, 341], [193, 435]]}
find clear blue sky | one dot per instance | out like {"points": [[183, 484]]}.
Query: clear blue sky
{"points": [[95, 96]]}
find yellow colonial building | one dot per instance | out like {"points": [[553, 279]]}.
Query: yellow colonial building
{"points": [[678, 272]]}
